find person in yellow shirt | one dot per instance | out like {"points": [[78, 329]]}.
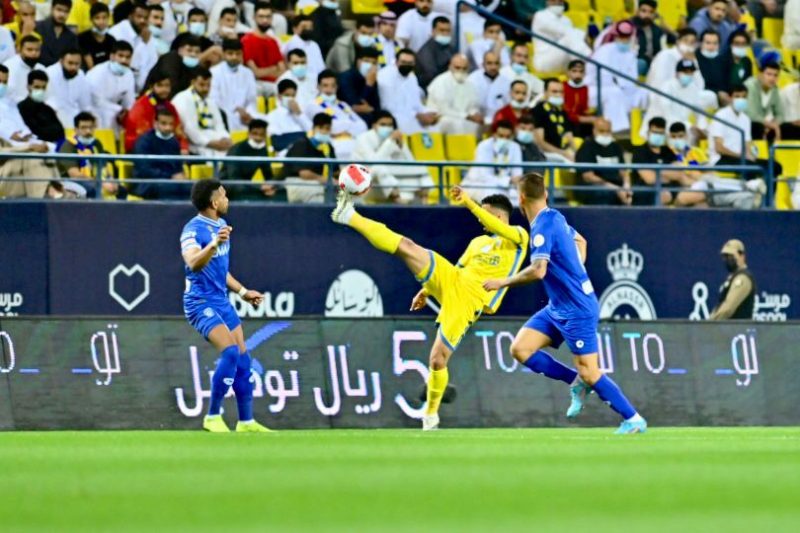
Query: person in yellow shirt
{"points": [[458, 288]]}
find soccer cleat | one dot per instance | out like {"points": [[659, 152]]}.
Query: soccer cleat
{"points": [[344, 208], [251, 427], [430, 422], [578, 393], [215, 424], [627, 427]]}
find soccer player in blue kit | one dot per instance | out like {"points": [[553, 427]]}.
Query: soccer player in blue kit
{"points": [[572, 314], [205, 246]]}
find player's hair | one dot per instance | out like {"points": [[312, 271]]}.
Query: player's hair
{"points": [[3, 69], [195, 11], [677, 127], [709, 32], [299, 52], [257, 124], [194, 40], [532, 186], [97, 9], [201, 72], [368, 53], [64, 3], [164, 111], [35, 75], [772, 65], [651, 3], [228, 11], [121, 46], [325, 74], [683, 32], [506, 124], [262, 5], [548, 81], [657, 122], [84, 116], [29, 39], [202, 191], [283, 85], [365, 21], [231, 44], [322, 119], [386, 114], [489, 23], [575, 62], [519, 82], [739, 88], [299, 19], [500, 201], [440, 20]]}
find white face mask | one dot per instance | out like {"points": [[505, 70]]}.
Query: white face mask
{"points": [[501, 145], [686, 49], [556, 10], [287, 100], [256, 146], [603, 140], [460, 77]]}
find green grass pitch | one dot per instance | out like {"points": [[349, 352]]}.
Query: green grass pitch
{"points": [[489, 480]]}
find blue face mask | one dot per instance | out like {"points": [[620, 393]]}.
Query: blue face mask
{"points": [[685, 79], [384, 132], [557, 101], [623, 47], [3, 90], [300, 71], [656, 139], [365, 41], [197, 28], [164, 136], [525, 136], [501, 145], [156, 31], [740, 104], [679, 145], [444, 40], [117, 69], [328, 98], [322, 138], [191, 62], [330, 4], [518, 68], [86, 141], [38, 95], [364, 68]]}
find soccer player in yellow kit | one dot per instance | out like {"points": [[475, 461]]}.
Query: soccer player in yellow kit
{"points": [[458, 288]]}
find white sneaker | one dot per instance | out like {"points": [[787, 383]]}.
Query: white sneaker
{"points": [[756, 185], [430, 422], [344, 208]]}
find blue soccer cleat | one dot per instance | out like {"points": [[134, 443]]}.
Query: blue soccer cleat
{"points": [[578, 393], [629, 427]]}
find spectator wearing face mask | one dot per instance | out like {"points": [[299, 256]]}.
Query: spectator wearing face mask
{"points": [[553, 24], [553, 131], [401, 95], [297, 72], [455, 100], [343, 54], [714, 17], [197, 25], [83, 142], [346, 123], [305, 182], [358, 86], [233, 87], [254, 146], [524, 137], [142, 116], [303, 39], [243, 15], [176, 17], [56, 36], [662, 69], [517, 107], [160, 141], [611, 186], [435, 55], [287, 122], [414, 26], [764, 106], [499, 149], [113, 87], [648, 34], [68, 91], [493, 40], [396, 183], [737, 294], [713, 66], [739, 66], [135, 29], [518, 70], [22, 64], [656, 152], [38, 116], [576, 99], [178, 65], [95, 43], [619, 96]]}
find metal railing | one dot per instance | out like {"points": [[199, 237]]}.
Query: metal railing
{"points": [[600, 66], [442, 167]]}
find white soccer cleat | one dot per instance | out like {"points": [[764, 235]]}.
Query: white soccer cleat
{"points": [[344, 208], [430, 422]]}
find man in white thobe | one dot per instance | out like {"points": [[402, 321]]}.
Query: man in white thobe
{"points": [[287, 121], [415, 25], [481, 182], [481, 80], [297, 71], [68, 92], [551, 23], [233, 88], [112, 87], [400, 94], [136, 32], [201, 118], [455, 100], [302, 27], [20, 65]]}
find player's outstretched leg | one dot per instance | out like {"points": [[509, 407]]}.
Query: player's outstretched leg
{"points": [[243, 388], [221, 382], [609, 392], [437, 384], [376, 233]]}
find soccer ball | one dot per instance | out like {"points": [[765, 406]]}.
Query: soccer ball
{"points": [[355, 179]]}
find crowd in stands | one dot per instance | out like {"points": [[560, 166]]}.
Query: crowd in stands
{"points": [[242, 78]]}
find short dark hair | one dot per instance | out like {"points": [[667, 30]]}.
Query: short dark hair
{"points": [[29, 39], [191, 40], [121, 46], [683, 32], [548, 81], [518, 82], [772, 65], [368, 53], [488, 23], [257, 124], [532, 186], [719, 1], [739, 88], [39, 75], [155, 7], [506, 124], [651, 3], [65, 3], [3, 69], [283, 85], [164, 111], [138, 4], [296, 21], [262, 5], [440, 20], [499, 201], [322, 119], [739, 33], [202, 191], [84, 116], [325, 74], [575, 62], [228, 11], [196, 11], [526, 118], [709, 32], [677, 127], [385, 114], [657, 122], [201, 72], [364, 21], [98, 8], [71, 51], [158, 75], [299, 52], [231, 44], [406, 51]]}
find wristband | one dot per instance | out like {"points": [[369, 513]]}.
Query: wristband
{"points": [[242, 291]]}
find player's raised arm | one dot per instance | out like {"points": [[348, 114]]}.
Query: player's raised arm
{"points": [[489, 221], [197, 258], [534, 272], [250, 296]]}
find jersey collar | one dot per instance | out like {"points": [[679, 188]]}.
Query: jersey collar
{"points": [[210, 220]]}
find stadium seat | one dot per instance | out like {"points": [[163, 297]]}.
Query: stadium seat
{"points": [[367, 7], [615, 9], [790, 160], [272, 103], [772, 30], [261, 105], [239, 136], [636, 126], [460, 147], [580, 19], [201, 172], [429, 147], [672, 12]]}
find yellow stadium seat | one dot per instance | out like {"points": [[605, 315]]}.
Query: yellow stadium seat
{"points": [[636, 126], [434, 151], [783, 196], [610, 8], [673, 12], [772, 31], [201, 172], [580, 19], [261, 105], [579, 5], [460, 147], [367, 7], [272, 103], [790, 160], [238, 136], [762, 147]]}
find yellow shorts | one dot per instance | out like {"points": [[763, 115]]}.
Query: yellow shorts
{"points": [[460, 297]]}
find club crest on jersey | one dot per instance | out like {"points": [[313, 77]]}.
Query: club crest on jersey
{"points": [[625, 298]]}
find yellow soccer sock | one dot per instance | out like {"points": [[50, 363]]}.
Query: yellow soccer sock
{"points": [[376, 233], [437, 383]]}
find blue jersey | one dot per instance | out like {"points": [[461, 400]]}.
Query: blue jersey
{"points": [[566, 282], [210, 283]]}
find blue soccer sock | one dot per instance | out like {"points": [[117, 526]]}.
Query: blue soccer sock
{"points": [[223, 378], [243, 388], [543, 363], [609, 392]]}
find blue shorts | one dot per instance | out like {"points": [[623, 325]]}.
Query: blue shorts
{"points": [[580, 333], [205, 315]]}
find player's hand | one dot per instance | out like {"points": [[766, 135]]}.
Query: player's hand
{"points": [[458, 195], [224, 234], [253, 297], [494, 284], [419, 301]]}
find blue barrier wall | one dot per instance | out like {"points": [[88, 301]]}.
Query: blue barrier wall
{"points": [[118, 258]]}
